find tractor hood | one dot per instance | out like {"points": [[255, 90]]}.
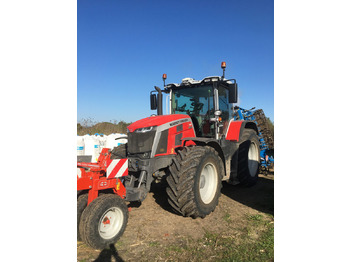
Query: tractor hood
{"points": [[155, 121]]}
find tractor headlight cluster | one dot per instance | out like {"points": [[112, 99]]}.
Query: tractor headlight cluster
{"points": [[144, 129]]}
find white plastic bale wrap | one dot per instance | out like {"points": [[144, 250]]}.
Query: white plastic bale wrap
{"points": [[92, 147], [102, 140], [111, 141], [80, 146]]}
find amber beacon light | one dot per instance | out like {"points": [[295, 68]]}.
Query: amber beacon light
{"points": [[223, 66], [164, 77]]}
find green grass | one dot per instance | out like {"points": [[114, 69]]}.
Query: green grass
{"points": [[259, 250], [227, 217], [255, 243], [154, 244], [257, 217]]}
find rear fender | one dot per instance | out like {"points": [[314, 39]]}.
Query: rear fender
{"points": [[235, 130]]}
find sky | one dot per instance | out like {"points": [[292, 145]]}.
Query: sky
{"points": [[124, 47]]}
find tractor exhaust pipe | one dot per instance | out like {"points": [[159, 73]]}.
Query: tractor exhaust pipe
{"points": [[160, 101]]}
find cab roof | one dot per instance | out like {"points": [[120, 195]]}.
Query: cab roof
{"points": [[192, 82]]}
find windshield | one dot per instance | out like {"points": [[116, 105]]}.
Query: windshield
{"points": [[197, 102]]}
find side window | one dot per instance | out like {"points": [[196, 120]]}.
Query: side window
{"points": [[224, 106], [198, 103], [182, 104], [207, 128]]}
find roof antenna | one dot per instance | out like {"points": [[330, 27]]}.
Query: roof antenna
{"points": [[164, 77], [223, 66]]}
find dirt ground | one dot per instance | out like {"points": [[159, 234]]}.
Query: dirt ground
{"points": [[153, 227]]}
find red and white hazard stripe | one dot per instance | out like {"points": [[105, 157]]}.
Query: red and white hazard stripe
{"points": [[117, 168]]}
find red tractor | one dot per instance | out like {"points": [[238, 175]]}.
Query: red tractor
{"points": [[194, 148]]}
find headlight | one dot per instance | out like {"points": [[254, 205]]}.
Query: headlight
{"points": [[144, 129]]}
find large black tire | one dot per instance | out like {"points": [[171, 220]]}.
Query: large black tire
{"points": [[248, 158], [119, 152], [103, 221], [194, 182], [81, 205]]}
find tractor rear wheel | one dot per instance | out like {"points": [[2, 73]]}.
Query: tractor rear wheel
{"points": [[194, 182], [81, 205], [103, 221], [248, 158]]}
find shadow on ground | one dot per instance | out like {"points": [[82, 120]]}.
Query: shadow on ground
{"points": [[160, 196], [107, 254], [259, 196]]}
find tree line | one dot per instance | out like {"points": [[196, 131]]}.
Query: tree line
{"points": [[91, 127]]}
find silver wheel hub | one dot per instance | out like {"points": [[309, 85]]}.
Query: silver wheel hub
{"points": [[208, 183], [253, 159], [111, 223], [201, 186]]}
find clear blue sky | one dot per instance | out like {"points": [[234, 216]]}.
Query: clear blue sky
{"points": [[124, 47]]}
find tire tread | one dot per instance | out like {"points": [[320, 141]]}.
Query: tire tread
{"points": [[181, 179]]}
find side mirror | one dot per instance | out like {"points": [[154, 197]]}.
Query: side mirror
{"points": [[232, 93], [153, 101]]}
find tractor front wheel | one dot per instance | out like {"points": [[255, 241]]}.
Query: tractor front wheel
{"points": [[103, 221], [194, 182]]}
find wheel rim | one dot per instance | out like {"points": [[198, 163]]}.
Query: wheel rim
{"points": [[253, 159], [208, 183], [110, 223]]}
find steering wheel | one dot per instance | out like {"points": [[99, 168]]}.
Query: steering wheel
{"points": [[182, 108], [200, 106]]}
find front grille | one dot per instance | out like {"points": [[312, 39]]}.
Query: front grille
{"points": [[163, 142], [140, 142]]}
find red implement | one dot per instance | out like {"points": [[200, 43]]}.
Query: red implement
{"points": [[103, 175]]}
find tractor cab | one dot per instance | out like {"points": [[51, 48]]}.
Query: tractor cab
{"points": [[206, 101]]}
